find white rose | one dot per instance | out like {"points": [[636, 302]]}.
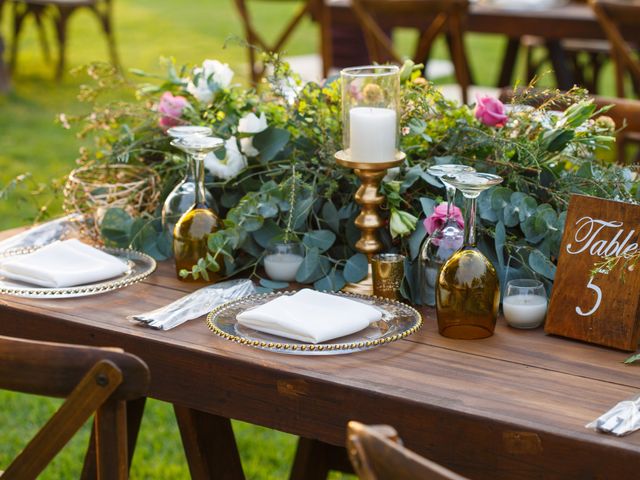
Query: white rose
{"points": [[219, 73], [246, 145], [252, 124], [233, 163]]}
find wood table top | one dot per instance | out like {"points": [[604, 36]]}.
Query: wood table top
{"points": [[514, 404]]}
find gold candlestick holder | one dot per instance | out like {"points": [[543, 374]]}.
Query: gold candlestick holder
{"points": [[369, 199]]}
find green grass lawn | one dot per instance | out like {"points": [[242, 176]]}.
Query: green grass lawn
{"points": [[30, 142]]}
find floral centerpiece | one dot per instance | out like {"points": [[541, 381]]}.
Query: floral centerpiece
{"points": [[277, 178]]}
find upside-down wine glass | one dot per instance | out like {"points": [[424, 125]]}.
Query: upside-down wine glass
{"points": [[192, 231], [444, 241], [468, 289], [181, 198]]}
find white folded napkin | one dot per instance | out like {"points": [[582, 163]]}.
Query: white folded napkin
{"points": [[310, 316], [63, 264]]}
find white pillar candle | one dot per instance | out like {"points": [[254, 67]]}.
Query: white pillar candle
{"points": [[372, 134], [282, 266], [524, 311]]}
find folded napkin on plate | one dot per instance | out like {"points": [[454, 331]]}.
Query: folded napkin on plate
{"points": [[310, 316], [63, 264]]}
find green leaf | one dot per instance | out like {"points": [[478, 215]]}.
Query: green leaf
{"points": [[632, 358], [116, 227], [330, 215], [415, 240], [322, 239], [270, 142], [301, 210], [542, 265], [428, 205], [331, 283], [251, 223], [273, 284], [308, 266], [501, 237], [500, 198], [268, 209], [556, 140], [267, 234], [485, 209], [356, 268]]}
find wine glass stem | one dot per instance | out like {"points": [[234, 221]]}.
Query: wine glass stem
{"points": [[451, 193], [198, 171], [470, 223]]}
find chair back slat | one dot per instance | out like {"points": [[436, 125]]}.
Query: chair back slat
{"points": [[376, 454], [54, 370]]}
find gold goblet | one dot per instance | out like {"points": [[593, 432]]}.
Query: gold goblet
{"points": [[369, 198]]}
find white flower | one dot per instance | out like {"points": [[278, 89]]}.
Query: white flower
{"points": [[233, 163], [246, 145], [218, 73], [252, 124]]}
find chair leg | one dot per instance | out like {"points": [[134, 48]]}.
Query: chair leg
{"points": [[61, 30], [135, 411], [42, 34], [105, 16], [509, 62], [111, 441], [19, 14]]}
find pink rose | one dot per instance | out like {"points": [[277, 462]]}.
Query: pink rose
{"points": [[170, 109], [490, 111], [439, 216]]}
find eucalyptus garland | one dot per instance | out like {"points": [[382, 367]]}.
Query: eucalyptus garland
{"points": [[277, 178]]}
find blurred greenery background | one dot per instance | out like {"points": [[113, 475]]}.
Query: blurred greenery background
{"points": [[31, 141]]}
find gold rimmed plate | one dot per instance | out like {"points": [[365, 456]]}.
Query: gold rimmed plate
{"points": [[398, 321], [140, 267]]}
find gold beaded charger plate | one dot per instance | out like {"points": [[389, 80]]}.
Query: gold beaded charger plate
{"points": [[398, 321], [140, 267]]}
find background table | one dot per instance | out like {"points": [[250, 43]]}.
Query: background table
{"points": [[510, 406]]}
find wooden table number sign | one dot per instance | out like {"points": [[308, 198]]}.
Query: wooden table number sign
{"points": [[602, 309]]}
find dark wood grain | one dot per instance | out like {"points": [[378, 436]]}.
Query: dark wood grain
{"points": [[602, 309], [514, 404]]}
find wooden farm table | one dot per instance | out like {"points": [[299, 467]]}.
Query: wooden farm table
{"points": [[510, 406]]}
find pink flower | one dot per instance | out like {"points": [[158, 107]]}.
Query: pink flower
{"points": [[170, 109], [439, 216], [490, 111]]}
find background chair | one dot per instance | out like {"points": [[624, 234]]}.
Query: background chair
{"points": [[92, 379], [624, 112], [620, 21], [377, 454], [59, 11], [256, 40], [430, 17]]}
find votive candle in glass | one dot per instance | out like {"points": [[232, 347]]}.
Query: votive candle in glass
{"points": [[525, 303], [370, 112], [283, 261]]}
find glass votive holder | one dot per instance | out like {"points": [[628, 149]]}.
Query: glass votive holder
{"points": [[387, 270], [283, 260], [370, 112], [525, 303]]}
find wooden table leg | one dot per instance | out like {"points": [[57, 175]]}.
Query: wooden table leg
{"points": [[509, 62], [561, 65], [135, 409], [209, 445], [314, 460]]}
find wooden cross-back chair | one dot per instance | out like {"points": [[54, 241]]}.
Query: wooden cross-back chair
{"points": [[60, 11], [377, 453], [617, 17], [624, 112], [431, 17], [93, 380], [256, 40]]}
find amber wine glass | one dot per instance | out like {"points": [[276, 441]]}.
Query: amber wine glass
{"points": [[468, 289], [192, 230], [445, 241]]}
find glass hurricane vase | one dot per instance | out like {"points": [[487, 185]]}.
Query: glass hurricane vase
{"points": [[191, 233], [468, 289], [444, 241], [183, 195]]}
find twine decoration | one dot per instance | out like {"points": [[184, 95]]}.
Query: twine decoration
{"points": [[93, 189]]}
